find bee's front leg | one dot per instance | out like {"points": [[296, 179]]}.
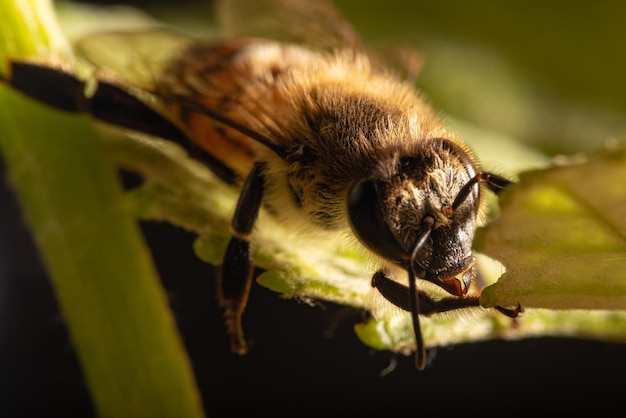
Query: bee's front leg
{"points": [[398, 294], [235, 275]]}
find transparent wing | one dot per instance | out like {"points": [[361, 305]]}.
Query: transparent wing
{"points": [[167, 69], [314, 23], [189, 82], [403, 57], [137, 59], [143, 58]]}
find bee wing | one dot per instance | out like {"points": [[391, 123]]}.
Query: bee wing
{"points": [[181, 78], [311, 23], [135, 58], [403, 57], [317, 24]]}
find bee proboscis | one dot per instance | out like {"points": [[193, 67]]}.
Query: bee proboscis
{"points": [[319, 134]]}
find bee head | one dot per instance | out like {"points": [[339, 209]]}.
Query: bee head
{"points": [[420, 211]]}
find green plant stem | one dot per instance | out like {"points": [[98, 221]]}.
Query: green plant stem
{"points": [[110, 295]]}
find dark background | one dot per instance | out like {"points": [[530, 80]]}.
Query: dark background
{"points": [[306, 360]]}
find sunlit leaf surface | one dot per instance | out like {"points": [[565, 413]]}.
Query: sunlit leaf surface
{"points": [[562, 237]]}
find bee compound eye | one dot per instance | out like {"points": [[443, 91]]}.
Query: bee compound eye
{"points": [[368, 222]]}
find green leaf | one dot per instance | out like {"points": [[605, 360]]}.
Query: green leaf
{"points": [[562, 236]]}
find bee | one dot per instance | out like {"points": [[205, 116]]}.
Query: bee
{"points": [[313, 128]]}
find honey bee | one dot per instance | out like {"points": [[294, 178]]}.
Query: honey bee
{"points": [[313, 128]]}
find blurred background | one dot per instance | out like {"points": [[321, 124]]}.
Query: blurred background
{"points": [[549, 75]]}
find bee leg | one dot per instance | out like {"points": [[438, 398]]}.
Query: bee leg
{"points": [[108, 103], [398, 294], [235, 274], [510, 312]]}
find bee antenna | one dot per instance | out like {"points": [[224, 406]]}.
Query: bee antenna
{"points": [[420, 350], [494, 182]]}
